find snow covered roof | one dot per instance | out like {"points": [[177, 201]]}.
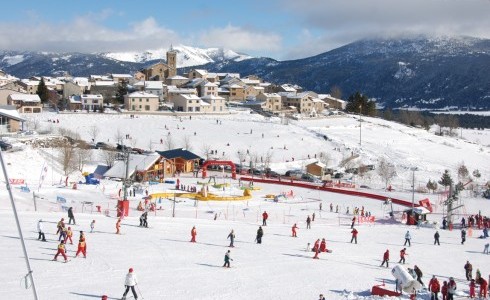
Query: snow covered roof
{"points": [[317, 163], [203, 103], [121, 76], [190, 96], [178, 77], [210, 84], [236, 86], [212, 97], [288, 88], [142, 94], [92, 96], [250, 81], [10, 111], [201, 71], [103, 83], [137, 162], [272, 95], [25, 97], [181, 91]]}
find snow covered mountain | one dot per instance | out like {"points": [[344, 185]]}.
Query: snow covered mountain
{"points": [[187, 56]]}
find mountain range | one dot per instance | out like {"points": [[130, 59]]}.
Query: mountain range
{"points": [[421, 72]]}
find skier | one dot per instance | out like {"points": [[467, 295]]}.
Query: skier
{"points": [[483, 288], [71, 217], [313, 217], [408, 237], [308, 222], [353, 222], [485, 249], [468, 268], [69, 234], [264, 218], [463, 236], [118, 226], [316, 246], [451, 288], [130, 282], [62, 233], [227, 259], [82, 246], [354, 235], [293, 229], [402, 255], [61, 250], [92, 225], [434, 288], [472, 288], [60, 225], [321, 297], [444, 290], [463, 222], [444, 224], [419, 274], [40, 231], [323, 246], [231, 236], [144, 219], [386, 258], [477, 275], [193, 234], [331, 207], [436, 238], [260, 233]]}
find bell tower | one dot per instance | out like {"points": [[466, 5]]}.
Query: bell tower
{"points": [[172, 62]]}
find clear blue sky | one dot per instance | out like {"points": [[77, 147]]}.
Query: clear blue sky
{"points": [[282, 29]]}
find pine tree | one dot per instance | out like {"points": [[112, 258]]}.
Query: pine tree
{"points": [[42, 91], [463, 172], [359, 103], [431, 185], [446, 179], [122, 90]]}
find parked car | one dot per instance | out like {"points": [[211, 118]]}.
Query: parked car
{"points": [[308, 177], [120, 147], [5, 146], [294, 173], [338, 175], [272, 174], [102, 145]]}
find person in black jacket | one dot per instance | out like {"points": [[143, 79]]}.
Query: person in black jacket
{"points": [[436, 238], [71, 216], [419, 274], [260, 233]]}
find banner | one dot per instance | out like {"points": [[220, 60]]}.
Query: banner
{"points": [[16, 181]]}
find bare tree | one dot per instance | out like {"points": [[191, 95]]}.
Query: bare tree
{"points": [[169, 142], [386, 170], [463, 172], [133, 141], [66, 157], [325, 158], [82, 157], [118, 136], [362, 170], [268, 158], [94, 132], [206, 150], [34, 124], [110, 157], [186, 142]]}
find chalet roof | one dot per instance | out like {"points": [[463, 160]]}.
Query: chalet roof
{"points": [[10, 111], [179, 153], [142, 94], [212, 97], [319, 164], [235, 86], [25, 97], [136, 162], [190, 96], [178, 77], [272, 95], [121, 75]]}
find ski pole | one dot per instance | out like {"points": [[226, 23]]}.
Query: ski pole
{"points": [[139, 291]]}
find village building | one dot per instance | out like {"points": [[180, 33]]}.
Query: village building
{"points": [[271, 102], [141, 101], [182, 159], [87, 102], [140, 168], [10, 120], [25, 103], [173, 92], [161, 71], [216, 104], [188, 103], [152, 87], [332, 102], [176, 80], [5, 92]]}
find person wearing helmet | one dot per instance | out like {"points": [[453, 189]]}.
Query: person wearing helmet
{"points": [[129, 283]]}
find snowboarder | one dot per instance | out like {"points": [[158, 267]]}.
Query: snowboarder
{"points": [[231, 236], [403, 252], [293, 229], [82, 246], [354, 235], [353, 222], [308, 222], [193, 234], [468, 268], [463, 236], [71, 217], [61, 250], [92, 225], [264, 218], [69, 234], [436, 238], [419, 274], [40, 231], [408, 237], [130, 282], [60, 225], [323, 246], [260, 233], [386, 258], [434, 288], [118, 226], [227, 259]]}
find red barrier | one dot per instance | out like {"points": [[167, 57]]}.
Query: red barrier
{"points": [[329, 188]]}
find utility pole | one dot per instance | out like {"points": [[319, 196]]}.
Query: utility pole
{"points": [[126, 160], [26, 256], [413, 187], [34, 198], [173, 208], [360, 126]]}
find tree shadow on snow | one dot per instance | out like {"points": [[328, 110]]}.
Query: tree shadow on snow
{"points": [[92, 296], [187, 241]]}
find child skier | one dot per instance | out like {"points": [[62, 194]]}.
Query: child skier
{"points": [[63, 233], [293, 229], [403, 252], [40, 230], [386, 258], [354, 235], [69, 234], [61, 250], [472, 288], [92, 225], [130, 282], [227, 259], [82, 246], [444, 290], [60, 225], [323, 246], [193, 234], [231, 236], [483, 288]]}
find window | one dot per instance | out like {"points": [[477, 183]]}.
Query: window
{"points": [[147, 100], [147, 107], [198, 109], [140, 99], [95, 101], [132, 100], [214, 108], [140, 107], [133, 107]]}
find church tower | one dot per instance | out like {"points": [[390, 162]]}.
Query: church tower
{"points": [[172, 62]]}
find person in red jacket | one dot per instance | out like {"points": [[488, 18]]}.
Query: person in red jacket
{"points": [[61, 250], [444, 290], [316, 246], [386, 258], [69, 234], [264, 218], [193, 234], [82, 245], [483, 288], [403, 252], [294, 230], [434, 288], [354, 235], [472, 288], [323, 246]]}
